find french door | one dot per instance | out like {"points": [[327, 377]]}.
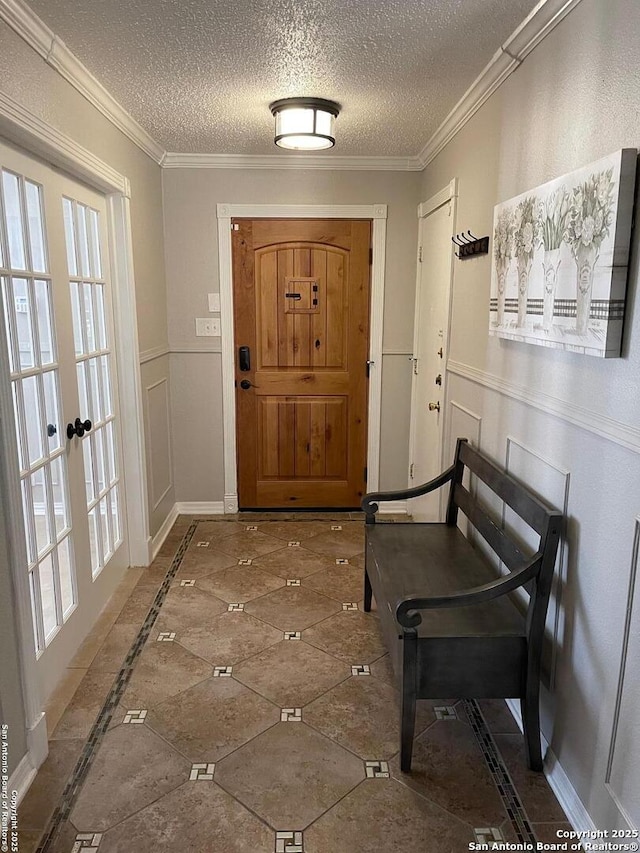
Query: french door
{"points": [[57, 311]]}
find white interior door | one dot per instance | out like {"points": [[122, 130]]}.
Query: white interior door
{"points": [[57, 311], [429, 357]]}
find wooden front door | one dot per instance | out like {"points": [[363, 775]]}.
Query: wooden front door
{"points": [[301, 305]]}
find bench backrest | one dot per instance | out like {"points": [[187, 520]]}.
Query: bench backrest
{"points": [[544, 520]]}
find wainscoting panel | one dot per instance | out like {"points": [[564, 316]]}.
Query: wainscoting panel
{"points": [[551, 483], [623, 771], [159, 451]]}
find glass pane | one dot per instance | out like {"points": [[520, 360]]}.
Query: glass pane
{"points": [[23, 320], [45, 327], [108, 453], [115, 516], [35, 608], [87, 452], [83, 244], [65, 567], [94, 540], [88, 318], [36, 227], [105, 511], [101, 329], [107, 402], [82, 391], [29, 524], [7, 301], [97, 413], [58, 482], [32, 418], [13, 215], [94, 225], [98, 448], [77, 317], [19, 420], [50, 385], [40, 499], [48, 595], [69, 235]]}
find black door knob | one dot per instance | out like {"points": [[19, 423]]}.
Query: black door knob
{"points": [[245, 385], [78, 428], [52, 429]]}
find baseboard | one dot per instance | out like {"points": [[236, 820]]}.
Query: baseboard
{"points": [[558, 780], [157, 541], [200, 508], [22, 777], [37, 751], [392, 507]]}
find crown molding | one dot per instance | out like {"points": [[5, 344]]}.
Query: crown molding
{"points": [[23, 20], [330, 162], [536, 26]]}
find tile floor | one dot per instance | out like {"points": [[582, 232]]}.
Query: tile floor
{"points": [[243, 702]]}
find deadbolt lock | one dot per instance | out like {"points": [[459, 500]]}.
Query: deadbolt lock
{"points": [[434, 407], [439, 352], [439, 379]]}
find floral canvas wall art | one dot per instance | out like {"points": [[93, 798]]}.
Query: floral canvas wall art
{"points": [[560, 256]]}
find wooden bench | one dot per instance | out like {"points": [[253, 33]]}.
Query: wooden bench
{"points": [[451, 626]]}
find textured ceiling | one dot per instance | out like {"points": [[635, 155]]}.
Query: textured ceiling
{"points": [[199, 75]]}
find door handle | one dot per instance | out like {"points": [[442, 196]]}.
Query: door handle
{"points": [[434, 407], [245, 385], [292, 296], [78, 428]]}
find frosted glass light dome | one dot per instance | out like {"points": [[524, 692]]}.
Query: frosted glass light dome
{"points": [[305, 124]]}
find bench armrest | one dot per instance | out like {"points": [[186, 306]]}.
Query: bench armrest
{"points": [[370, 501], [407, 610]]}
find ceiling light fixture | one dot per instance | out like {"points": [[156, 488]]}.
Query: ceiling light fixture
{"points": [[305, 124]]}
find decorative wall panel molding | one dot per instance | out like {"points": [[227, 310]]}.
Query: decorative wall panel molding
{"points": [[623, 434], [158, 430], [623, 767]]}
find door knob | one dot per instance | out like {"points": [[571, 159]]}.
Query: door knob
{"points": [[52, 429], [245, 385], [78, 428], [434, 407]]}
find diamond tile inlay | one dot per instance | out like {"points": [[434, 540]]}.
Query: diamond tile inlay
{"points": [[203, 544], [222, 671], [87, 841], [235, 608], [251, 527], [291, 715], [349, 606], [293, 544], [293, 581], [135, 717], [488, 835], [189, 582], [202, 772], [292, 635], [445, 712], [336, 527], [289, 841], [246, 562], [166, 636], [342, 561], [361, 669], [377, 769]]}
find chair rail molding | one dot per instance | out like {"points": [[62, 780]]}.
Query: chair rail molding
{"points": [[613, 430], [225, 212]]}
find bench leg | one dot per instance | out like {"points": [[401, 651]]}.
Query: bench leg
{"points": [[409, 691], [530, 708], [367, 592]]}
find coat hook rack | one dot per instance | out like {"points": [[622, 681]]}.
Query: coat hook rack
{"points": [[470, 245]]}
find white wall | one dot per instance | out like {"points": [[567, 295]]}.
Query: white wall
{"points": [[190, 198], [569, 422], [27, 78]]}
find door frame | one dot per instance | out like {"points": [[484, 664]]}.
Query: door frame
{"points": [[33, 136], [448, 194], [225, 213]]}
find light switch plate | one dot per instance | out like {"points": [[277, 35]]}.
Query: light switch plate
{"points": [[214, 302], [207, 327]]}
